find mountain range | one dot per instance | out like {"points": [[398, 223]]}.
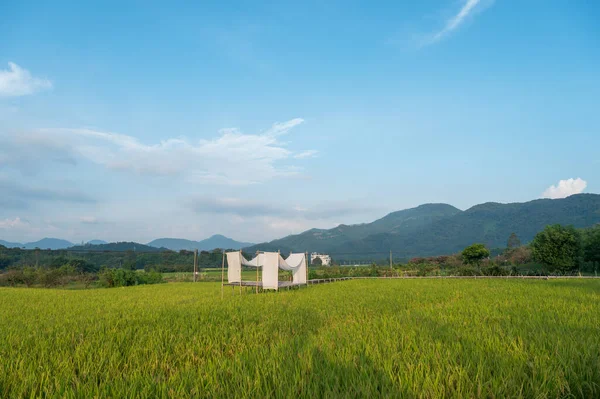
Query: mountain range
{"points": [[174, 244], [215, 241], [44, 243], [122, 246], [427, 230], [438, 229]]}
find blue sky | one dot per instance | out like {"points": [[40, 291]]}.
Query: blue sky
{"points": [[134, 120]]}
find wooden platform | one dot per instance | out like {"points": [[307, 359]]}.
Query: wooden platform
{"points": [[281, 284]]}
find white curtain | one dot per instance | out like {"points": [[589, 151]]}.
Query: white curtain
{"points": [[270, 272], [297, 263], [271, 262], [234, 266], [257, 261]]}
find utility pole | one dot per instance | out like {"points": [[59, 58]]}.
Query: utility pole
{"points": [[222, 272], [256, 270], [195, 264], [306, 266]]}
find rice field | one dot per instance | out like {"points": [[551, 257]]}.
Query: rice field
{"points": [[368, 338]]}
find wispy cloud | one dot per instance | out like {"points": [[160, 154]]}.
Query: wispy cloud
{"points": [[17, 195], [232, 157], [29, 152], [467, 9], [236, 206], [306, 154], [564, 188], [250, 208], [263, 220], [14, 223], [16, 81], [280, 128], [89, 220]]}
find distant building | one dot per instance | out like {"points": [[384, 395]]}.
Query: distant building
{"points": [[325, 259]]}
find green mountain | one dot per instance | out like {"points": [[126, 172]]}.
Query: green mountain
{"points": [[9, 244], [489, 223], [116, 247], [213, 242], [48, 243], [96, 242], [320, 240], [433, 231]]}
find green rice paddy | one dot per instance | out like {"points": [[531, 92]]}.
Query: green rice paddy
{"points": [[367, 338]]}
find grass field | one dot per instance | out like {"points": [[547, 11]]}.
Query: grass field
{"points": [[214, 274], [370, 338]]}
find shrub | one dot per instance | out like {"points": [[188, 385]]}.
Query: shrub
{"points": [[474, 254], [428, 270], [466, 271], [558, 248], [494, 270], [152, 277], [50, 277], [125, 278], [11, 277], [29, 276], [87, 279]]}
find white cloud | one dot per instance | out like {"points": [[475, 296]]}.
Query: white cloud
{"points": [[453, 23], [18, 195], [235, 206], [564, 188], [246, 208], [16, 81], [232, 158], [15, 223], [282, 128], [306, 154], [88, 220]]}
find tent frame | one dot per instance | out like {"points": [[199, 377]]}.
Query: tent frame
{"points": [[258, 284]]}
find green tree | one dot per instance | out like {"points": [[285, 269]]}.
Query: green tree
{"points": [[29, 276], [129, 264], [519, 256], [474, 254], [557, 247], [81, 265], [513, 241], [591, 244]]}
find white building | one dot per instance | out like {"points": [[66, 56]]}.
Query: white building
{"points": [[325, 259]]}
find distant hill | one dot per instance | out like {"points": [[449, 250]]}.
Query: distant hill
{"points": [[216, 241], [320, 240], [9, 244], [447, 232], [96, 242], [117, 247], [52, 243], [174, 244], [48, 243]]}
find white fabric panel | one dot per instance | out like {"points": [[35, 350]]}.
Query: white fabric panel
{"points": [[299, 267], [291, 263], [270, 273], [256, 262], [271, 262], [234, 267], [294, 261]]}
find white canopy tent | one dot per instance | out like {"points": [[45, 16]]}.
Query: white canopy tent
{"points": [[270, 262]]}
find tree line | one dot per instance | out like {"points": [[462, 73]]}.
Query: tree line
{"points": [[557, 249], [62, 268], [93, 261]]}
